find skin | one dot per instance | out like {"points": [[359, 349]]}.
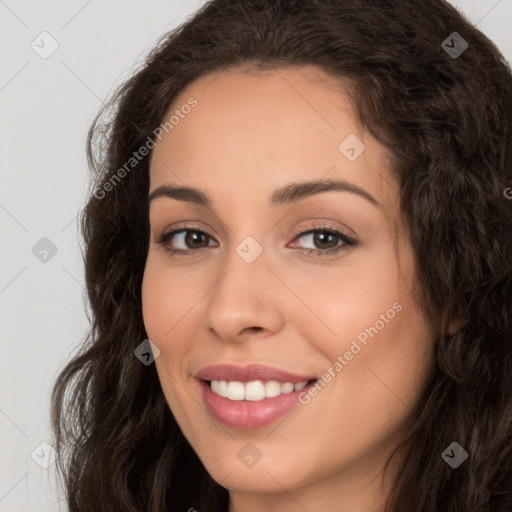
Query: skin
{"points": [[251, 133]]}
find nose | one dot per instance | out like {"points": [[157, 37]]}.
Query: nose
{"points": [[246, 300]]}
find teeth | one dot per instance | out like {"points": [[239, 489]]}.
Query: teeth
{"points": [[255, 390], [235, 390], [222, 388], [300, 385], [272, 388]]}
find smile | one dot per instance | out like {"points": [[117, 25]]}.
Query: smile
{"points": [[255, 390], [252, 396]]}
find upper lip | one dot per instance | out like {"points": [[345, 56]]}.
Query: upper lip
{"points": [[249, 373]]}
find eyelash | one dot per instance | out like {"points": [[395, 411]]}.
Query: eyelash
{"points": [[348, 241]]}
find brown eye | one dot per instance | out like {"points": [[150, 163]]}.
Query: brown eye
{"points": [[323, 238], [187, 238], [195, 238], [325, 241]]}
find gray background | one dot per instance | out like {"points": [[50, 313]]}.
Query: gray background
{"points": [[47, 106]]}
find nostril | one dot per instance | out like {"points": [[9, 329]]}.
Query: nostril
{"points": [[253, 329]]}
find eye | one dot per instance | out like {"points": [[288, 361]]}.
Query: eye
{"points": [[327, 239], [191, 240]]}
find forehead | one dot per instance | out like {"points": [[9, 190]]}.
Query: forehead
{"points": [[251, 127]]}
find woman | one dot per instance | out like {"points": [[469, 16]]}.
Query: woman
{"points": [[376, 378]]}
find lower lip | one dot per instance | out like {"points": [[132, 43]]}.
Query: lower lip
{"points": [[246, 414]]}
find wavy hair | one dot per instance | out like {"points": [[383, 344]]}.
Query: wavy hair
{"points": [[447, 122]]}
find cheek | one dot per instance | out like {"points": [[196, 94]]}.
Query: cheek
{"points": [[168, 312], [372, 299], [368, 317], [168, 299], [155, 302], [167, 307], [347, 303]]}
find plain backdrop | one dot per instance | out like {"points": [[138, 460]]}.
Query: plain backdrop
{"points": [[47, 104]]}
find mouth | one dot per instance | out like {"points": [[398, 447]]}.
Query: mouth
{"points": [[252, 396], [246, 406], [255, 390]]}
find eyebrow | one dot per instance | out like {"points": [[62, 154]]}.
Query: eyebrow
{"points": [[287, 194]]}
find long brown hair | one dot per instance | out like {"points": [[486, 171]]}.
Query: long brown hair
{"points": [[446, 119]]}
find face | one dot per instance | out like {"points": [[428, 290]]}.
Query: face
{"points": [[313, 281]]}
